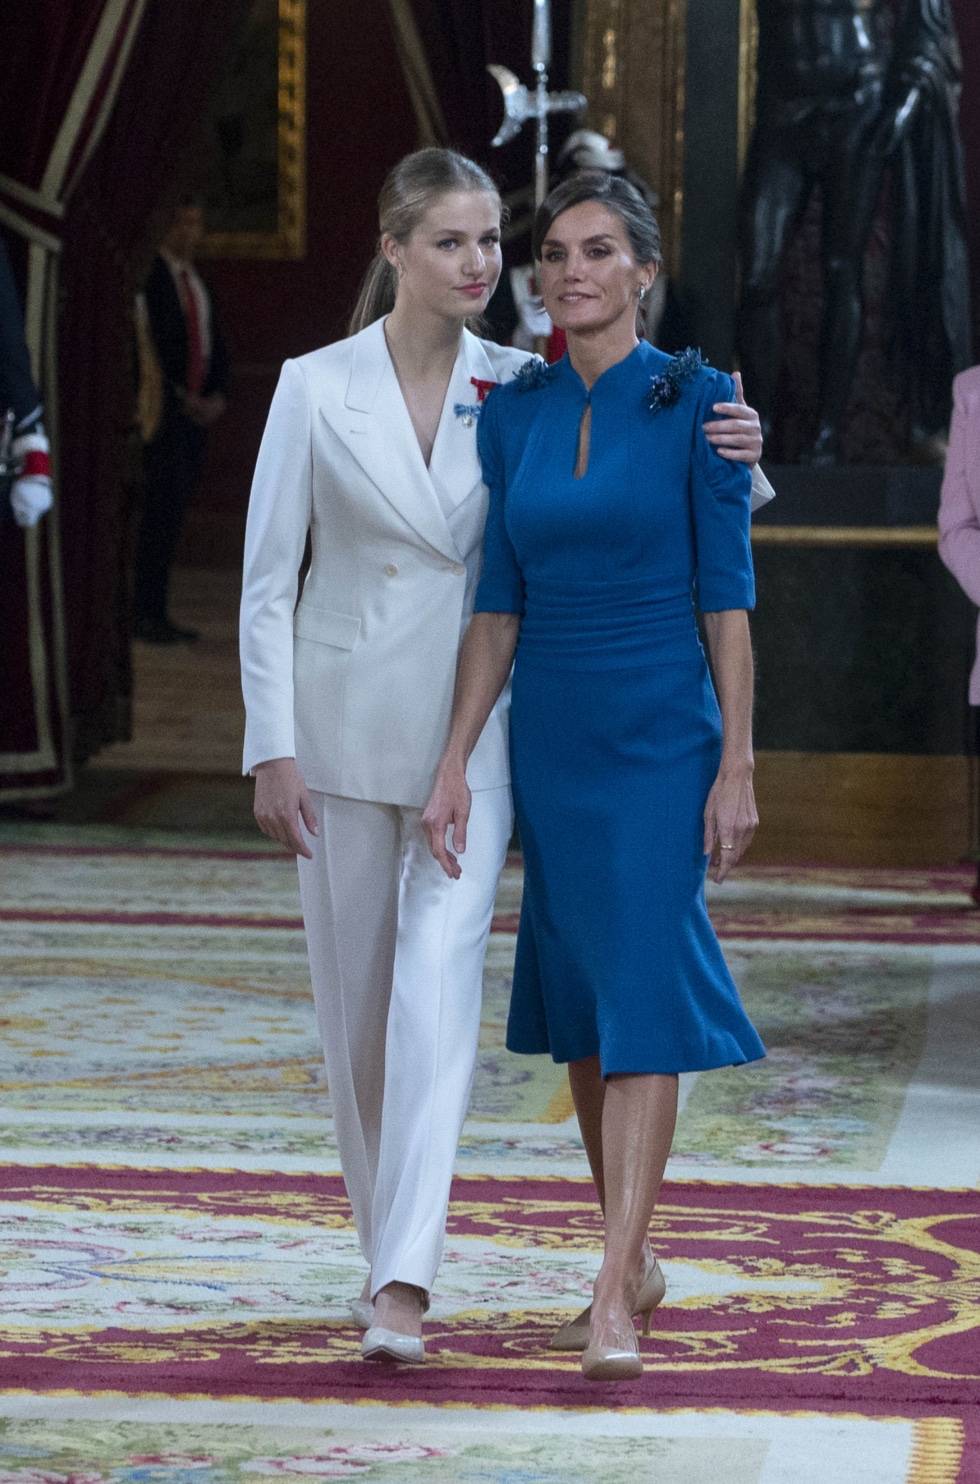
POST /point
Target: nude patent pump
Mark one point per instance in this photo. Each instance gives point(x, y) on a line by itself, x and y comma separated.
point(379, 1343)
point(389, 1344)
point(575, 1334)
point(612, 1362)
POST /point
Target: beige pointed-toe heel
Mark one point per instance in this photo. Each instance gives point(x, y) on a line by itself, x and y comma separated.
point(651, 1294)
point(619, 1361)
point(575, 1334)
point(611, 1363)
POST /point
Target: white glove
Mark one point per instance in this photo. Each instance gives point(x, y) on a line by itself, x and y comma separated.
point(30, 494)
point(533, 320)
point(30, 498)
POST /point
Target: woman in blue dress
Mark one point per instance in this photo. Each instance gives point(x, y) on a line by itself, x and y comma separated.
point(611, 516)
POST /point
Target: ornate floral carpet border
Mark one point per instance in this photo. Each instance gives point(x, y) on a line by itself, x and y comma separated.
point(809, 1296)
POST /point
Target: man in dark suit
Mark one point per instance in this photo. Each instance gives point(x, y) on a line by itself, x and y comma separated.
point(193, 364)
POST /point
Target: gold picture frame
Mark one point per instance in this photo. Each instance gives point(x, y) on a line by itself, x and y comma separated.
point(633, 55)
point(287, 239)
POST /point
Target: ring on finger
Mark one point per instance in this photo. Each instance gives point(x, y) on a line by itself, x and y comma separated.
point(728, 847)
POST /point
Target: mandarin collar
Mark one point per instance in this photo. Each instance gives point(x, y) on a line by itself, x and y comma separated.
point(613, 377)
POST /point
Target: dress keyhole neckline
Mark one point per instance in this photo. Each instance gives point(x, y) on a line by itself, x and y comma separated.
point(584, 440)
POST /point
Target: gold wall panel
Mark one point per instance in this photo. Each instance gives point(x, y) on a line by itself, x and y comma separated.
point(748, 46)
point(855, 536)
point(633, 77)
point(865, 809)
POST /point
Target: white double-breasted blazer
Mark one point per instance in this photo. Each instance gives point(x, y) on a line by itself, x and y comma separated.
point(356, 681)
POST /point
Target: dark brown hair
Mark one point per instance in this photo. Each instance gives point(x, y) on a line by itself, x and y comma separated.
point(617, 196)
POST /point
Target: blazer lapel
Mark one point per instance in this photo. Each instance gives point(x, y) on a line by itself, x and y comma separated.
point(455, 463)
point(374, 425)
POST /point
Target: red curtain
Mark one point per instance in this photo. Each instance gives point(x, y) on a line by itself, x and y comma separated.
point(460, 38)
point(44, 45)
point(173, 51)
point(62, 70)
point(109, 235)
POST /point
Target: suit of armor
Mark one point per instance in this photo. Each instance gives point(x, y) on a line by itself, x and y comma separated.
point(838, 95)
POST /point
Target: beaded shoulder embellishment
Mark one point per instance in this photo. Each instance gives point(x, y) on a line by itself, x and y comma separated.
point(665, 389)
point(533, 374)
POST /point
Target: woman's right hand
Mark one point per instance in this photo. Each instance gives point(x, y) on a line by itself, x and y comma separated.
point(449, 805)
point(281, 801)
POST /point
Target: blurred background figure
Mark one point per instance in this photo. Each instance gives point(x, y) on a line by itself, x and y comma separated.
point(184, 385)
point(959, 513)
point(929, 289)
point(839, 97)
point(25, 461)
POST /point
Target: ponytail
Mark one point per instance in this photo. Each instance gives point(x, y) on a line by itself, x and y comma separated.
point(377, 295)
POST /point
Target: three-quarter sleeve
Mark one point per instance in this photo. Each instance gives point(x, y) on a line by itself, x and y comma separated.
point(721, 493)
point(501, 588)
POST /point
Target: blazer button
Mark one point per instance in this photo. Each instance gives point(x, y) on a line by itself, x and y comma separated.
point(458, 569)
point(391, 570)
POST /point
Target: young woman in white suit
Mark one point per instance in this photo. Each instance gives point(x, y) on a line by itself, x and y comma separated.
point(370, 447)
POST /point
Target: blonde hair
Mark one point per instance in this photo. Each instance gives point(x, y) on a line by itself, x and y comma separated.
point(408, 192)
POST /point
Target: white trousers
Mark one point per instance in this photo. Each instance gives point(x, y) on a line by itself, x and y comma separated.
point(396, 960)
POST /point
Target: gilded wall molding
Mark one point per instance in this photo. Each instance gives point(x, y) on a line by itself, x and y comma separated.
point(748, 47)
point(633, 76)
point(846, 536)
point(288, 240)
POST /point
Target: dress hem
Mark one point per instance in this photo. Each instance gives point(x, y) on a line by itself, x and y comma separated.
point(642, 1071)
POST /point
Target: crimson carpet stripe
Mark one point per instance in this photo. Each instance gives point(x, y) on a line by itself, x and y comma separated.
point(148, 919)
point(953, 929)
point(191, 852)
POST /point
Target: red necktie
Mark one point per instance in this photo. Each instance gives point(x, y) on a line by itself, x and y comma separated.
point(195, 352)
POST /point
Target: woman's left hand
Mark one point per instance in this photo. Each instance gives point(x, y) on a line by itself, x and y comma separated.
point(730, 819)
point(448, 808)
point(738, 434)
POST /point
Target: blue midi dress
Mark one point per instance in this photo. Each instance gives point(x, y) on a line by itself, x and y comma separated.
point(615, 728)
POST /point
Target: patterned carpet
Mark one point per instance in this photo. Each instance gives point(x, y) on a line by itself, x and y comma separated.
point(176, 1251)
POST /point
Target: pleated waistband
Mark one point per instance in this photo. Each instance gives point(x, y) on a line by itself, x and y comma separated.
point(614, 624)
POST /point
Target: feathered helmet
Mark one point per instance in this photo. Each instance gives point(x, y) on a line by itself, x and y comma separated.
point(586, 150)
